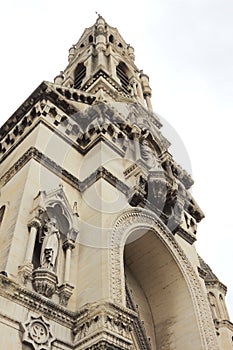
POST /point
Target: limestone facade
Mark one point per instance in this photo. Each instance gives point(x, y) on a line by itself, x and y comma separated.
point(97, 223)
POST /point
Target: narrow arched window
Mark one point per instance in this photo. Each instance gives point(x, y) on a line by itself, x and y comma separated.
point(79, 74)
point(223, 309)
point(214, 306)
point(111, 38)
point(2, 211)
point(121, 71)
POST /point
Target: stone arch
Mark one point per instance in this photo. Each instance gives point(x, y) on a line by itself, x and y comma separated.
point(57, 209)
point(132, 220)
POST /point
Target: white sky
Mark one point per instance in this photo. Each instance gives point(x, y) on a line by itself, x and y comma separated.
point(186, 48)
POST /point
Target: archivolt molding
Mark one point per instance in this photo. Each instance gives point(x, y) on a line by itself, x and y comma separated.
point(142, 218)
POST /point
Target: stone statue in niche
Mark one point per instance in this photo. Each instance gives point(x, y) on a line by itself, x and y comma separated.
point(148, 155)
point(50, 245)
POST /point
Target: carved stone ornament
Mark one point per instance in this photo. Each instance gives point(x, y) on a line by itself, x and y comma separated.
point(65, 292)
point(107, 322)
point(37, 333)
point(25, 272)
point(44, 282)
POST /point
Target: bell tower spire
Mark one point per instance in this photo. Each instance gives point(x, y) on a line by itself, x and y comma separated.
point(102, 63)
point(97, 221)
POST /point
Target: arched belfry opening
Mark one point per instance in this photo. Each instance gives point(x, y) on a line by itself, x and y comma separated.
point(122, 73)
point(79, 75)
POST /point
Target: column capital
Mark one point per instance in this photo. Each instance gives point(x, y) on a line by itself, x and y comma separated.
point(34, 222)
point(68, 244)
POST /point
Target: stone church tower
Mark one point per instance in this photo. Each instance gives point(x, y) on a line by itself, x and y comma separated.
point(97, 224)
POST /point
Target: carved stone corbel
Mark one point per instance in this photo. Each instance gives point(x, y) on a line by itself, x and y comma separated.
point(138, 193)
point(44, 282)
point(177, 202)
point(64, 293)
point(157, 189)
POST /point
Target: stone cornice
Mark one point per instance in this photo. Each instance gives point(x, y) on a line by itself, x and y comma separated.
point(33, 153)
point(201, 272)
point(100, 173)
point(35, 302)
point(226, 324)
point(215, 284)
point(60, 96)
point(190, 238)
point(113, 83)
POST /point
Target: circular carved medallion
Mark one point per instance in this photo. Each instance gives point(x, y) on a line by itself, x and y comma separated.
point(39, 332)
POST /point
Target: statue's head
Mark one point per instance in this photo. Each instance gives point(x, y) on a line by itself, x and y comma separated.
point(145, 142)
point(53, 221)
point(50, 224)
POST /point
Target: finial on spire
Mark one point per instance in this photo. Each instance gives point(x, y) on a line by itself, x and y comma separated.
point(98, 14)
point(100, 23)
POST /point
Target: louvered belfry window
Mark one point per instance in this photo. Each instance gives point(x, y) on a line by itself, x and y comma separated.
point(79, 75)
point(121, 71)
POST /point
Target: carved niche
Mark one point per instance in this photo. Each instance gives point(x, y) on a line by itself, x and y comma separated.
point(59, 224)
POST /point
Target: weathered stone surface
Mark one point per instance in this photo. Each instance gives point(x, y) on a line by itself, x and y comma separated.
point(98, 224)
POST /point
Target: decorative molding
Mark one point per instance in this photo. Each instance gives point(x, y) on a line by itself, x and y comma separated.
point(201, 272)
point(25, 272)
point(107, 322)
point(187, 236)
point(134, 218)
point(35, 302)
point(65, 291)
point(214, 283)
point(6, 319)
point(44, 282)
point(59, 314)
point(54, 93)
point(101, 73)
point(37, 333)
point(225, 324)
point(33, 153)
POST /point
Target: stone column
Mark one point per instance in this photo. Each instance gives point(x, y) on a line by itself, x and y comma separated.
point(33, 227)
point(146, 90)
point(148, 101)
point(25, 270)
point(65, 290)
point(68, 245)
point(139, 91)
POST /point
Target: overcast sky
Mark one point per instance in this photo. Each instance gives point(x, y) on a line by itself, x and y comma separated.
point(186, 48)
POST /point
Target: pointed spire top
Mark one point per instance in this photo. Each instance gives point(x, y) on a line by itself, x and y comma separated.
point(98, 14)
point(100, 22)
